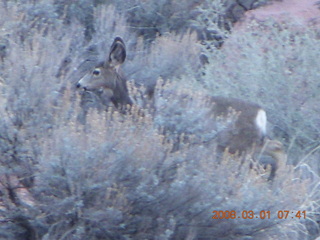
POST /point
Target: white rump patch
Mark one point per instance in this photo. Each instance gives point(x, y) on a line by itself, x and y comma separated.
point(261, 121)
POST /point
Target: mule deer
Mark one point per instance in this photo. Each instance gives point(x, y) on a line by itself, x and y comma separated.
point(105, 77)
point(238, 126)
point(246, 133)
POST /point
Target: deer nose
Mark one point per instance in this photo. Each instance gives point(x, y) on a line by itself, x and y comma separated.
point(80, 86)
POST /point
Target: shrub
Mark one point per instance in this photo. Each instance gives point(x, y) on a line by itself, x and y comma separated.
point(274, 66)
point(116, 177)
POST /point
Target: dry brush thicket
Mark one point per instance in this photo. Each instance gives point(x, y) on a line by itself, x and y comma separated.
point(279, 70)
point(115, 176)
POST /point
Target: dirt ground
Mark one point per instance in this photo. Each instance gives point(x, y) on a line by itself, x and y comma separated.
point(300, 11)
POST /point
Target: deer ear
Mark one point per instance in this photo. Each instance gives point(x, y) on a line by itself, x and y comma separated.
point(117, 53)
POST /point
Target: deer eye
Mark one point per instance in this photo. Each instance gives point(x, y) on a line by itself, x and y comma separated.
point(96, 72)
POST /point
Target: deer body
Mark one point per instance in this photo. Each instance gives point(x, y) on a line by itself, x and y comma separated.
point(249, 127)
point(243, 135)
point(248, 133)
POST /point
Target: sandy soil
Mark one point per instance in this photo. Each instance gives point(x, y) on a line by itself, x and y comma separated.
point(299, 11)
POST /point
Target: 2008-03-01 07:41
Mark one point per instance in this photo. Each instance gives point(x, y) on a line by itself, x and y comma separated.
point(282, 214)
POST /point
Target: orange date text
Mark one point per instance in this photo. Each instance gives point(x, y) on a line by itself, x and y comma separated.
point(249, 214)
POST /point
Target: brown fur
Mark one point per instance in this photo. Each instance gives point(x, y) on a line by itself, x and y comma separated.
point(106, 78)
